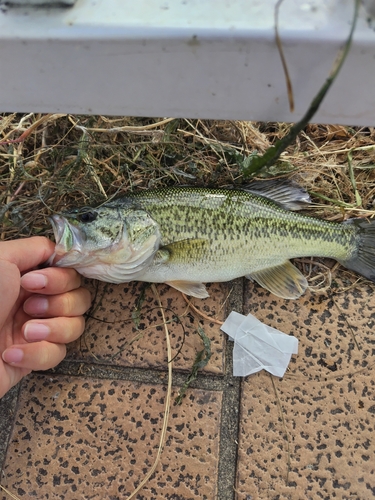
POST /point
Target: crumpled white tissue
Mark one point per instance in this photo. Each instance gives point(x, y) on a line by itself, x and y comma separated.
point(258, 346)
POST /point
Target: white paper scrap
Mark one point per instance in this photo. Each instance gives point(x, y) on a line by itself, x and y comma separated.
point(258, 346)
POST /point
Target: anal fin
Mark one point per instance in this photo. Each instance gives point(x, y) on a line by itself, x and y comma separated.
point(190, 288)
point(285, 280)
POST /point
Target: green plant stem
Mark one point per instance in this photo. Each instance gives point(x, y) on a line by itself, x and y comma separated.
point(273, 153)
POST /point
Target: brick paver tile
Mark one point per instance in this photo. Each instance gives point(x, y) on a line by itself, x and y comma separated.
point(96, 439)
point(111, 336)
point(324, 406)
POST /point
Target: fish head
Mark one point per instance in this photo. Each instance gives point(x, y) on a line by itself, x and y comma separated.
point(84, 233)
point(106, 243)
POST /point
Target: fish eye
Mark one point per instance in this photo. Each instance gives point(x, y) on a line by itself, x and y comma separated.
point(87, 217)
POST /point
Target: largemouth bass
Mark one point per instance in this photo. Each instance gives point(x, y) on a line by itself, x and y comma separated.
point(186, 237)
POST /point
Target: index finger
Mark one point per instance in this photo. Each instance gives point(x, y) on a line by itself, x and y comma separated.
point(27, 253)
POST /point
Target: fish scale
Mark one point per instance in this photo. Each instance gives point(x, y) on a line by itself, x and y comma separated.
point(188, 236)
point(246, 221)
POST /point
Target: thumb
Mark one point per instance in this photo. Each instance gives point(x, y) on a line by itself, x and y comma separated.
point(9, 288)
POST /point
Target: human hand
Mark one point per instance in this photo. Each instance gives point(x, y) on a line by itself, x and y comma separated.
point(40, 311)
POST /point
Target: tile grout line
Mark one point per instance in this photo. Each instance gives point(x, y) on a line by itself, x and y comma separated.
point(229, 426)
point(227, 384)
point(207, 381)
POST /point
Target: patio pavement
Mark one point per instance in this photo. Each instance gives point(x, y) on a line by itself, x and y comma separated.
point(90, 428)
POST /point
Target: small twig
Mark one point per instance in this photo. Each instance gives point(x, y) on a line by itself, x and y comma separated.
point(17, 191)
point(200, 313)
point(326, 277)
point(32, 127)
point(282, 57)
point(167, 401)
point(347, 150)
point(85, 158)
point(226, 300)
point(358, 198)
point(210, 142)
point(126, 128)
point(15, 497)
point(331, 200)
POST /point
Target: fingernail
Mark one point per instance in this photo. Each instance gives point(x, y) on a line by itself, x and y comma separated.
point(36, 331)
point(34, 281)
point(13, 355)
point(36, 306)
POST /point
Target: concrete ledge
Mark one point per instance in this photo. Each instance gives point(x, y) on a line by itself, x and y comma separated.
point(212, 59)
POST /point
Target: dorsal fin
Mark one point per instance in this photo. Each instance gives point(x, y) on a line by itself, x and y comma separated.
point(288, 194)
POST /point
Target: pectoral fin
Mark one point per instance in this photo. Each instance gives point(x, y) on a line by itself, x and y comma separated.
point(285, 281)
point(190, 288)
point(189, 250)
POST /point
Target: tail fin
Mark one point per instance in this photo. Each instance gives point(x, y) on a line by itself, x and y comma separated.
point(363, 260)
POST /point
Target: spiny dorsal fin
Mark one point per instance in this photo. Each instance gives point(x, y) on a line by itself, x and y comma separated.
point(286, 193)
point(189, 288)
point(285, 281)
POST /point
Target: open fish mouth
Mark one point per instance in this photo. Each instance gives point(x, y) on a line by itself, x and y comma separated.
point(67, 237)
point(58, 225)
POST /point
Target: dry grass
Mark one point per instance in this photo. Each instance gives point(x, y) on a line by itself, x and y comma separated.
point(49, 163)
point(54, 162)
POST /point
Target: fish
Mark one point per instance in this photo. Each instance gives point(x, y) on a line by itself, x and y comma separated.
point(189, 236)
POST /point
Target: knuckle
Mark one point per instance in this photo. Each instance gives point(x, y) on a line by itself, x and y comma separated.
point(67, 303)
point(50, 355)
point(68, 329)
point(44, 354)
point(72, 303)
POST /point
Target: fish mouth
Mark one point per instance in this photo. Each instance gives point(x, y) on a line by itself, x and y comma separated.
point(58, 224)
point(68, 240)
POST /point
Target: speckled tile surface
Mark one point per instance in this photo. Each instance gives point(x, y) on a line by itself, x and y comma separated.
point(311, 434)
point(96, 439)
point(111, 335)
point(90, 429)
